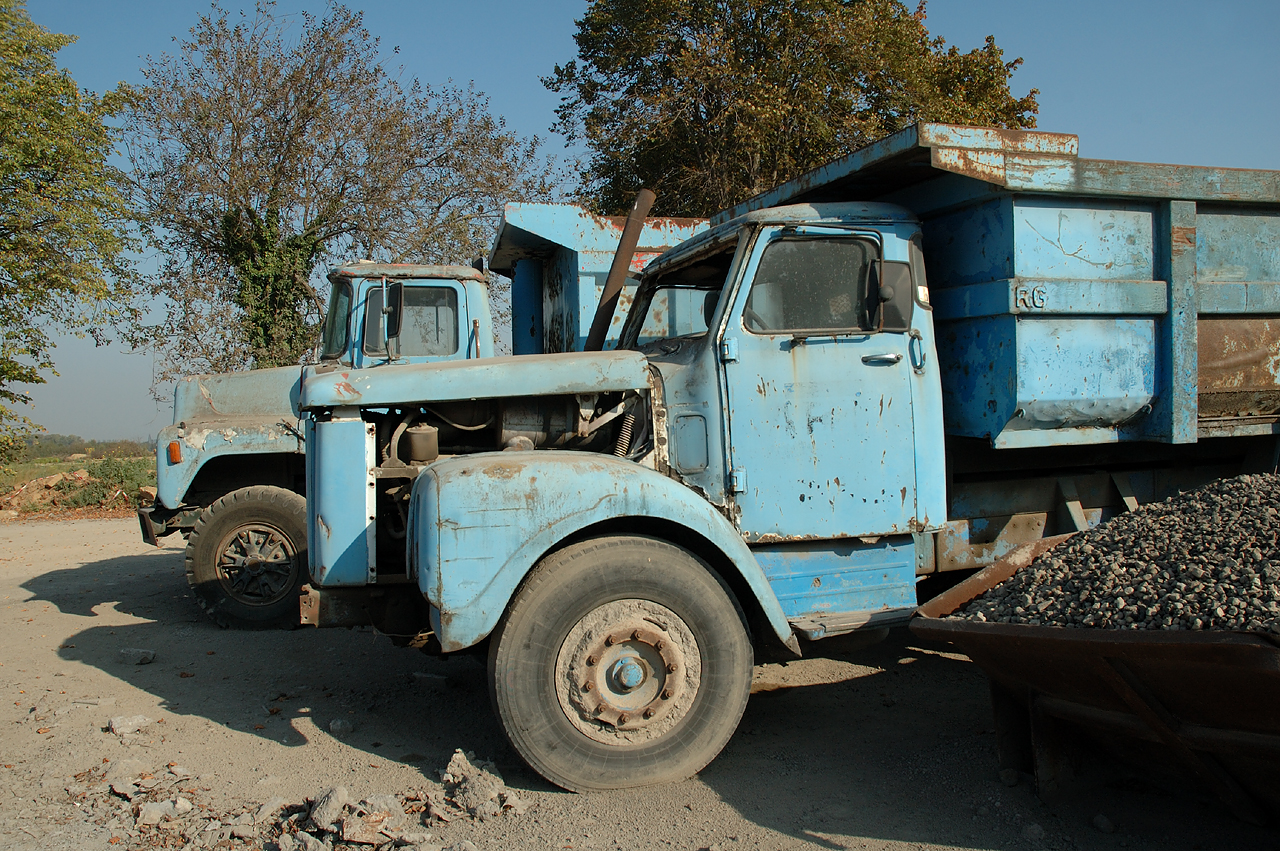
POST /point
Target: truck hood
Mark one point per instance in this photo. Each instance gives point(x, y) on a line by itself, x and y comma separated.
point(236, 396)
point(485, 378)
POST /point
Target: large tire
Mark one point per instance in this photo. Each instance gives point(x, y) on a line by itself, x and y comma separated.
point(660, 640)
point(247, 557)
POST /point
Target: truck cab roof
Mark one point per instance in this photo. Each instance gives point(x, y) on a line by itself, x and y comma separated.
point(824, 213)
point(405, 270)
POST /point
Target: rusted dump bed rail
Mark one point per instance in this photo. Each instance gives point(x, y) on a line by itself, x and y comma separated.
point(1211, 699)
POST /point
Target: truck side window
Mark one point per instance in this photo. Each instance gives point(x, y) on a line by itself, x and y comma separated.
point(811, 284)
point(683, 301)
point(428, 328)
point(818, 284)
point(333, 342)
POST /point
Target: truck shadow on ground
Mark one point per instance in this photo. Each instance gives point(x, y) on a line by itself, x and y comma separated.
point(284, 685)
point(899, 749)
point(907, 753)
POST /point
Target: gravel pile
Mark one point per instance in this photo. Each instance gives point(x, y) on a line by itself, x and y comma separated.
point(164, 809)
point(1207, 559)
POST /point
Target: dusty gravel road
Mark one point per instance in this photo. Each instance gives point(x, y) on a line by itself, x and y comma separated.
point(887, 748)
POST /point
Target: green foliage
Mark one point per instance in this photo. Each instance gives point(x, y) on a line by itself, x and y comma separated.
point(709, 102)
point(272, 271)
point(37, 447)
point(263, 148)
point(63, 213)
point(112, 482)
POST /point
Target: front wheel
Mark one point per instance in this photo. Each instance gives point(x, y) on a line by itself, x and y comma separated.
point(622, 661)
point(247, 557)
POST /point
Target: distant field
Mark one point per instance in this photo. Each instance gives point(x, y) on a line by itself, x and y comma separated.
point(25, 471)
point(49, 454)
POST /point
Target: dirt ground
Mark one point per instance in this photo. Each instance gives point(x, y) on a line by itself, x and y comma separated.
point(889, 747)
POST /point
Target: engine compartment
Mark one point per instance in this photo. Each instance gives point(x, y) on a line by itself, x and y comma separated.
point(411, 437)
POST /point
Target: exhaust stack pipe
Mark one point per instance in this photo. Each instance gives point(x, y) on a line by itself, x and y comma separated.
point(618, 271)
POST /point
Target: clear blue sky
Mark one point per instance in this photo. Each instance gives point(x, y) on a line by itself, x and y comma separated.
point(1173, 81)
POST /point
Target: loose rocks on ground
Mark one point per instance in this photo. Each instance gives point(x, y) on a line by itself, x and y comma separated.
point(1207, 559)
point(137, 656)
point(148, 807)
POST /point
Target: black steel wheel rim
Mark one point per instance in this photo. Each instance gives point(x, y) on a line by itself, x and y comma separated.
point(256, 564)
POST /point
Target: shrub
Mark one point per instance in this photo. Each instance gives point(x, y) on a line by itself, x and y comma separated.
point(113, 481)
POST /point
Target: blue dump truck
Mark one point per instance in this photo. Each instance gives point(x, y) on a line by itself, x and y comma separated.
point(230, 470)
point(907, 362)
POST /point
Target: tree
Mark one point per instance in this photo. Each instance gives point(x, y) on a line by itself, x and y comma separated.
point(257, 156)
point(709, 102)
point(63, 212)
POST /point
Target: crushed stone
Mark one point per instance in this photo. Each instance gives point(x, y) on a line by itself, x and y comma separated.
point(1207, 559)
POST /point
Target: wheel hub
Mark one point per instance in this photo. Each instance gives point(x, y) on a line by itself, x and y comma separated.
point(628, 672)
point(256, 564)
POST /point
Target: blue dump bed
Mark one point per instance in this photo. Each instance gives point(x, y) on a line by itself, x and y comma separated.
point(1082, 301)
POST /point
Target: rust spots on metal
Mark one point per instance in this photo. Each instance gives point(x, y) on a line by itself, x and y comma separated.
point(1239, 366)
point(987, 166)
point(995, 138)
point(208, 397)
point(503, 470)
point(1183, 239)
point(346, 390)
point(774, 538)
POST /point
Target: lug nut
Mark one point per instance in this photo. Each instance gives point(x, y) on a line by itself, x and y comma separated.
point(672, 667)
point(659, 644)
point(591, 660)
point(622, 719)
point(587, 686)
point(650, 712)
point(608, 641)
point(635, 635)
point(666, 694)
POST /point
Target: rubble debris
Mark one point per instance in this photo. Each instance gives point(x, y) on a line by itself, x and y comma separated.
point(328, 806)
point(1205, 560)
point(268, 810)
point(154, 812)
point(137, 656)
point(124, 724)
point(473, 788)
point(150, 807)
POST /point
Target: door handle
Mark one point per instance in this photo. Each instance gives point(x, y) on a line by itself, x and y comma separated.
point(887, 359)
point(915, 348)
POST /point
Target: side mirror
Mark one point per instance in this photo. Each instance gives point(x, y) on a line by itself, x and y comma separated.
point(393, 309)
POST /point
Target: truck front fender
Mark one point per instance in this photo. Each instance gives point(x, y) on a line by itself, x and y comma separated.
point(235, 413)
point(479, 524)
point(199, 443)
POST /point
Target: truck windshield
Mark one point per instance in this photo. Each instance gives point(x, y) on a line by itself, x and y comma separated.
point(333, 342)
point(682, 301)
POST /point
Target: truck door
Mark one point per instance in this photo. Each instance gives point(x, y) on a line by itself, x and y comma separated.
point(817, 373)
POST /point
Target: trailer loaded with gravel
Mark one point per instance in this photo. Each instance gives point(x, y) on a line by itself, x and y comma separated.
point(1158, 630)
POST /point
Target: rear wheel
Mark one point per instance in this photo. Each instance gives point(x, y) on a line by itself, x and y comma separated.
point(247, 557)
point(621, 662)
